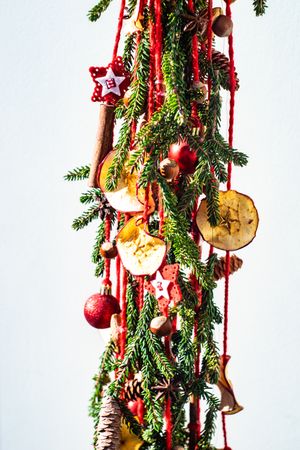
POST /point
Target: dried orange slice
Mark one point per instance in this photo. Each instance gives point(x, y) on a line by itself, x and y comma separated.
point(125, 198)
point(140, 253)
point(238, 222)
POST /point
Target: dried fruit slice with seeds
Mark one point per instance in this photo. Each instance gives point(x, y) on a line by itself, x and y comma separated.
point(238, 221)
point(125, 197)
point(141, 253)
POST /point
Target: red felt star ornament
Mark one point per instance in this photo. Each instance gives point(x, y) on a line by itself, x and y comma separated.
point(111, 82)
point(164, 286)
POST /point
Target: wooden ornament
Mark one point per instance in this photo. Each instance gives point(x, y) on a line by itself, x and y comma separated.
point(222, 26)
point(140, 253)
point(161, 326)
point(169, 169)
point(238, 221)
point(104, 141)
point(229, 404)
point(108, 250)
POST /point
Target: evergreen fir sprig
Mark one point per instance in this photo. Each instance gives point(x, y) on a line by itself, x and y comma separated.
point(107, 364)
point(260, 7)
point(95, 13)
point(210, 420)
point(129, 419)
point(79, 173)
point(90, 196)
point(86, 217)
point(96, 256)
point(128, 53)
point(135, 106)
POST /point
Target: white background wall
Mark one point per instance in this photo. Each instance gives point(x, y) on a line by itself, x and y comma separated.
point(48, 124)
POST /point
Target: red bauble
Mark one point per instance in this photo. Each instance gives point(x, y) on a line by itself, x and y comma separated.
point(185, 157)
point(99, 308)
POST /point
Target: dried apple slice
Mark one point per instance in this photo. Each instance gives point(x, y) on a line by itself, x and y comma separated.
point(125, 198)
point(229, 404)
point(238, 223)
point(140, 253)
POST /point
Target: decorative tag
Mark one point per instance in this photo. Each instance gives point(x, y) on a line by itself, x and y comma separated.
point(163, 285)
point(111, 82)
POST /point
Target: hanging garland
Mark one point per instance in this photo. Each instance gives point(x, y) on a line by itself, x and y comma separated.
point(162, 193)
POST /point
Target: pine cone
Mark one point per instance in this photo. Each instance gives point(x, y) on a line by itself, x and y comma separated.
point(133, 390)
point(220, 266)
point(221, 62)
point(109, 429)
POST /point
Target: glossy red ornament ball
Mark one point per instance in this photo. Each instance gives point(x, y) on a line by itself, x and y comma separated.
point(185, 157)
point(99, 308)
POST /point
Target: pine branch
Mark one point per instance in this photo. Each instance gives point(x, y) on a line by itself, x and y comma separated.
point(90, 196)
point(260, 7)
point(79, 173)
point(87, 217)
point(95, 13)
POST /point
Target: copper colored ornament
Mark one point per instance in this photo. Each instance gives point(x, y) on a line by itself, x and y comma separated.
point(238, 221)
point(125, 197)
point(229, 404)
point(222, 26)
point(169, 169)
point(99, 308)
point(161, 326)
point(185, 157)
point(140, 253)
point(108, 250)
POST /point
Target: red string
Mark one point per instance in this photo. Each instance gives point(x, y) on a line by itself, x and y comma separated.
point(224, 430)
point(230, 141)
point(151, 64)
point(119, 29)
point(106, 280)
point(158, 52)
point(123, 314)
point(232, 94)
point(118, 267)
point(168, 418)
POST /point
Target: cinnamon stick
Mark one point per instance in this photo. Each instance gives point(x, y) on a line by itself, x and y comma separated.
point(104, 141)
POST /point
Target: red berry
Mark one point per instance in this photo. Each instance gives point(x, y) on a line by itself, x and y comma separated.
point(99, 308)
point(133, 406)
point(185, 157)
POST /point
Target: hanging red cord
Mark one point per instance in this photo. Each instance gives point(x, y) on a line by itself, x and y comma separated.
point(230, 141)
point(123, 306)
point(118, 266)
point(107, 261)
point(119, 29)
